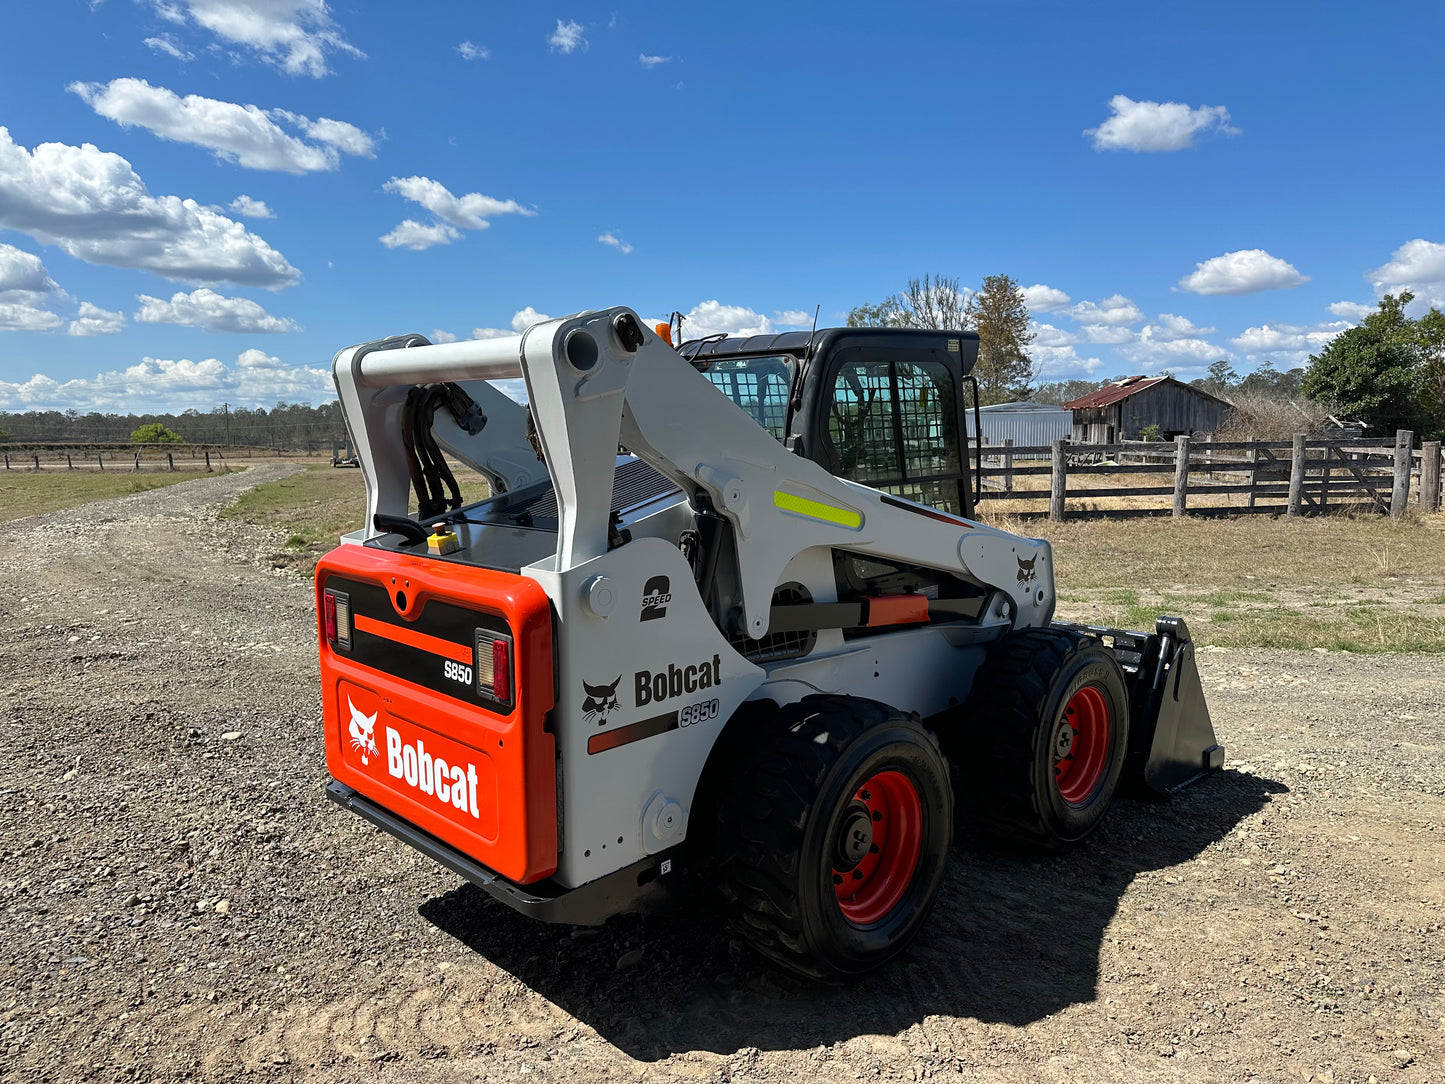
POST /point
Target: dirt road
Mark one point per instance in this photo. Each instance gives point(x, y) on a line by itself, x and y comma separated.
point(181, 903)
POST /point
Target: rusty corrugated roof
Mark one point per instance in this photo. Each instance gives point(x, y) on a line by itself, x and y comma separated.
point(1114, 392)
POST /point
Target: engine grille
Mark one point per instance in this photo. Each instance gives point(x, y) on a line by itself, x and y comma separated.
point(779, 645)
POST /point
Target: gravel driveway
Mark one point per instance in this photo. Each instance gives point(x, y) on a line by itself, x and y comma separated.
point(181, 903)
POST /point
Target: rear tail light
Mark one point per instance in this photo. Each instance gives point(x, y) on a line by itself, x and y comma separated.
point(494, 666)
point(336, 609)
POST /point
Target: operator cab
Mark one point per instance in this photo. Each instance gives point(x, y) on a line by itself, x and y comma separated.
point(884, 407)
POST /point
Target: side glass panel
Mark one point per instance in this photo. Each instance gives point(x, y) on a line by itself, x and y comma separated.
point(860, 423)
point(758, 385)
point(894, 425)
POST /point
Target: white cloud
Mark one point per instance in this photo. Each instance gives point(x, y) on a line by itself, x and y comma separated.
point(92, 204)
point(1106, 334)
point(1351, 310)
point(251, 208)
point(166, 44)
point(244, 134)
point(94, 320)
point(1290, 344)
point(1170, 326)
point(22, 272)
point(616, 242)
point(652, 61)
point(1061, 362)
point(204, 308)
point(1158, 348)
point(1046, 335)
point(714, 318)
point(1248, 271)
point(525, 318)
point(155, 384)
point(440, 336)
point(1156, 126)
point(474, 52)
point(792, 318)
point(468, 212)
point(409, 233)
point(1041, 298)
point(567, 38)
point(294, 35)
point(1115, 310)
point(492, 332)
point(1417, 266)
point(26, 316)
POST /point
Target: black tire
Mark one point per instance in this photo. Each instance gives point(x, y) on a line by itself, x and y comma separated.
point(791, 821)
point(1010, 736)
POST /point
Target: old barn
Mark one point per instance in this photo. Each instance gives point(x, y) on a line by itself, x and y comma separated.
point(1119, 411)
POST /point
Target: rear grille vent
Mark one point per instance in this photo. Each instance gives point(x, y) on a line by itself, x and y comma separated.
point(634, 483)
point(779, 645)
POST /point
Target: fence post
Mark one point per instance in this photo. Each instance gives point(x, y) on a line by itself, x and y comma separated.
point(208, 459)
point(1296, 474)
point(170, 461)
point(136, 468)
point(7, 460)
point(1253, 469)
point(1181, 475)
point(1325, 477)
point(37, 461)
point(99, 461)
point(1404, 446)
point(1008, 466)
point(1430, 476)
point(68, 464)
point(1058, 480)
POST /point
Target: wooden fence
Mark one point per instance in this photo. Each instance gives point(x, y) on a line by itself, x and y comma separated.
point(136, 458)
point(1304, 476)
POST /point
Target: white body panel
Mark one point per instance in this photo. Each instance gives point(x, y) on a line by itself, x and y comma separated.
point(788, 515)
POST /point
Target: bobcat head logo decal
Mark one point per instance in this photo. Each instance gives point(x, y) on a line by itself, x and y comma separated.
point(362, 737)
point(601, 701)
point(1026, 569)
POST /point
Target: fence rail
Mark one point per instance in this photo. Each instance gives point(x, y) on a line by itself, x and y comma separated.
point(135, 458)
point(1302, 476)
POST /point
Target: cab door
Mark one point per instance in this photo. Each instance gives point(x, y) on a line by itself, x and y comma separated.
point(895, 421)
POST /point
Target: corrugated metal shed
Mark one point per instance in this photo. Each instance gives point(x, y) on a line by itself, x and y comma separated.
point(1125, 408)
point(1025, 423)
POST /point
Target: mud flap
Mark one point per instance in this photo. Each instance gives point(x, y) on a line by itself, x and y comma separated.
point(1171, 737)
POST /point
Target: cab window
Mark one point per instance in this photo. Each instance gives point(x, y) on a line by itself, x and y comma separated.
point(894, 425)
point(758, 385)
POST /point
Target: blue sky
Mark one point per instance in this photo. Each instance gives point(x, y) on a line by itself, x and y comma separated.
point(202, 200)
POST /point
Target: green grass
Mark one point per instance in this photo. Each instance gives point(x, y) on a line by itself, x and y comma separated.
point(32, 493)
point(316, 506)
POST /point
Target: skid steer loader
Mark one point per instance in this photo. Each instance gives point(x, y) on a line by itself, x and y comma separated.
point(726, 619)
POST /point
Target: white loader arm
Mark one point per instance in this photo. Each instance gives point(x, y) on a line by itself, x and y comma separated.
point(598, 379)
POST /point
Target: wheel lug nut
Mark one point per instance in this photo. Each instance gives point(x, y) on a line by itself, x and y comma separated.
point(837, 878)
point(866, 796)
point(857, 875)
point(877, 816)
point(872, 848)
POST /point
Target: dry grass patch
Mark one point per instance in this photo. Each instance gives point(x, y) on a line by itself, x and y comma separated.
point(33, 493)
point(1352, 583)
point(315, 507)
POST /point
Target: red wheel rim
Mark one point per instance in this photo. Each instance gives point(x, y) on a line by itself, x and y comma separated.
point(1081, 745)
point(876, 852)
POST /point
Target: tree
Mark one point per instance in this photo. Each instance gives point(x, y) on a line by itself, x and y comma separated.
point(1220, 379)
point(1059, 392)
point(1000, 315)
point(932, 302)
point(154, 433)
point(1383, 371)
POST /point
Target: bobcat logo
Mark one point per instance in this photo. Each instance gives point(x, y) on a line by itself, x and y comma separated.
point(1026, 569)
point(362, 737)
point(601, 701)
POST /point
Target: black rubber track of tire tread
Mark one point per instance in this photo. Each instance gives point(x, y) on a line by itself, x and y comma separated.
point(762, 820)
point(1003, 709)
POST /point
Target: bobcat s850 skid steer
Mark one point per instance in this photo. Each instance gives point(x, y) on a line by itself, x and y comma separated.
point(726, 620)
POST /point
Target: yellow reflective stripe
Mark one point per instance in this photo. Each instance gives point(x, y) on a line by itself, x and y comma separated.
point(801, 506)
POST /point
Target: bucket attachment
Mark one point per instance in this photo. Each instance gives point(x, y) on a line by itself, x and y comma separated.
point(1171, 738)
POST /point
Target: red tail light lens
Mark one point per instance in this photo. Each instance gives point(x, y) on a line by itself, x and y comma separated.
point(336, 614)
point(501, 670)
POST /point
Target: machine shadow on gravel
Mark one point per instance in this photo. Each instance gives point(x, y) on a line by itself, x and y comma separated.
point(1012, 940)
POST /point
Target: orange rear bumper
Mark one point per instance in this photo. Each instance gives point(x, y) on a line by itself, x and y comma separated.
point(478, 775)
